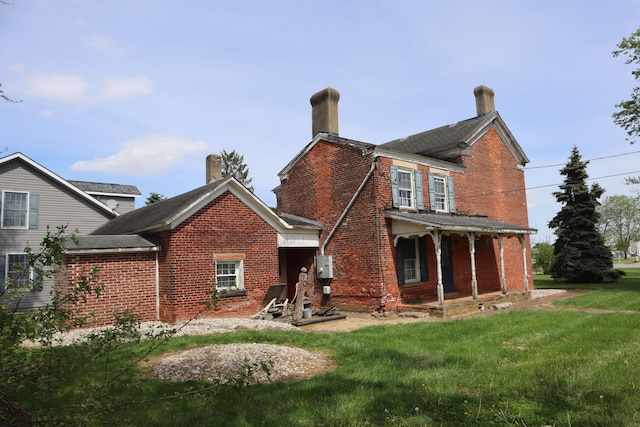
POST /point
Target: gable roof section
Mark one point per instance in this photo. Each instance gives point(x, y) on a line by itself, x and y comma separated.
point(452, 140)
point(54, 177)
point(328, 137)
point(169, 213)
point(104, 189)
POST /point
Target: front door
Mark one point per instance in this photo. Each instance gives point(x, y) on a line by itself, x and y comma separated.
point(447, 265)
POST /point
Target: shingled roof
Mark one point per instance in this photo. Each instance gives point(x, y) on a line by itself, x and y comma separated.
point(105, 188)
point(450, 141)
point(479, 224)
point(156, 216)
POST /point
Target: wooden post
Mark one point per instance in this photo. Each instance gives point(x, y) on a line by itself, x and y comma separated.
point(472, 252)
point(524, 262)
point(436, 236)
point(503, 278)
point(302, 282)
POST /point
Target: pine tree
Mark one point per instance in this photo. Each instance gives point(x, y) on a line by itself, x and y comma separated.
point(580, 254)
point(233, 165)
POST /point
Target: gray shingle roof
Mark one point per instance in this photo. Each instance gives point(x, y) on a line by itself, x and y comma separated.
point(156, 215)
point(443, 142)
point(447, 222)
point(121, 243)
point(99, 187)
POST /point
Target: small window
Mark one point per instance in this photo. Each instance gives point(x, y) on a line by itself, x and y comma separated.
point(18, 270)
point(15, 209)
point(229, 275)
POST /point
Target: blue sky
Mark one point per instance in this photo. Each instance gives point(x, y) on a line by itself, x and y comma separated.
point(139, 92)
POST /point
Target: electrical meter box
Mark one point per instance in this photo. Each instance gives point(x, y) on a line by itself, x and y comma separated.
point(324, 267)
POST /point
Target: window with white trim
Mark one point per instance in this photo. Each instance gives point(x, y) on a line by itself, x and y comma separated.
point(441, 193)
point(19, 210)
point(17, 269)
point(411, 260)
point(406, 188)
point(229, 275)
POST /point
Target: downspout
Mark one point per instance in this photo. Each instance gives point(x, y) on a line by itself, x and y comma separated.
point(351, 202)
point(157, 288)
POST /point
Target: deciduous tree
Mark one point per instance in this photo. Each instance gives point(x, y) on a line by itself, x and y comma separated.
point(620, 221)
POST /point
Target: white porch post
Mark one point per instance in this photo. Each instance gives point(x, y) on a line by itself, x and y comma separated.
point(472, 252)
point(436, 236)
point(503, 278)
point(524, 262)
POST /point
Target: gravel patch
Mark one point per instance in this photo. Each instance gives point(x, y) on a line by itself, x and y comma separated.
point(240, 363)
point(205, 326)
point(541, 293)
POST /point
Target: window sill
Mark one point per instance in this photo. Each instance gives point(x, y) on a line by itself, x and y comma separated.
point(227, 293)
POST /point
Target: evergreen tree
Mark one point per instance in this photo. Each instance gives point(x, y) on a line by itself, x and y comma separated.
point(233, 165)
point(580, 254)
point(154, 198)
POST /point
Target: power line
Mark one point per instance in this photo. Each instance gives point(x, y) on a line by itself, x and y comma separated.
point(595, 158)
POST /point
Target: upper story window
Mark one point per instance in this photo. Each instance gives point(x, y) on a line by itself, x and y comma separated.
point(406, 188)
point(441, 193)
point(19, 210)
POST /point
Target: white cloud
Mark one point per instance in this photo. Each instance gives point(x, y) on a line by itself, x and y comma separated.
point(147, 156)
point(122, 88)
point(66, 88)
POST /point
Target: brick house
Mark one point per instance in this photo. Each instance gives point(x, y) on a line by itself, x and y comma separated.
point(163, 260)
point(432, 217)
point(429, 217)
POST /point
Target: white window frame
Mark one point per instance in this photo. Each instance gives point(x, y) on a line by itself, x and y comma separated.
point(412, 264)
point(406, 194)
point(18, 282)
point(5, 211)
point(441, 198)
point(238, 274)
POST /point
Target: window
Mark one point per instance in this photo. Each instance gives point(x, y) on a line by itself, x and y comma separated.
point(441, 193)
point(406, 188)
point(229, 275)
point(17, 268)
point(411, 260)
point(19, 210)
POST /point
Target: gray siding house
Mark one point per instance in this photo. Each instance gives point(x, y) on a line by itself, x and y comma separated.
point(33, 198)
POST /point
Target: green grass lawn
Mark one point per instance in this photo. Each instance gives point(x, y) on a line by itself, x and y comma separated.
point(519, 368)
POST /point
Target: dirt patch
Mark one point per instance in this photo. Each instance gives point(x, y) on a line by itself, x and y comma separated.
point(357, 320)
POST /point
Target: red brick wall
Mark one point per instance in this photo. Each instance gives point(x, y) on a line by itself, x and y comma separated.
point(321, 184)
point(226, 225)
point(129, 280)
point(186, 267)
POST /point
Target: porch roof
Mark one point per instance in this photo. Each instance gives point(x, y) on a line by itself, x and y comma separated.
point(459, 223)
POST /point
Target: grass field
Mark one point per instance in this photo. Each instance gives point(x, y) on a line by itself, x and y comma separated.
point(518, 367)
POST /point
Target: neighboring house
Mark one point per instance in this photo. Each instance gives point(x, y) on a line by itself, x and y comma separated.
point(32, 199)
point(163, 261)
point(119, 197)
point(437, 215)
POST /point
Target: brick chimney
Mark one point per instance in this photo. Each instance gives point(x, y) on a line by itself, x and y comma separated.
point(484, 100)
point(214, 168)
point(324, 111)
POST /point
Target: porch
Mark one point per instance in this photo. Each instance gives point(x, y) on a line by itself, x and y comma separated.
point(459, 306)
